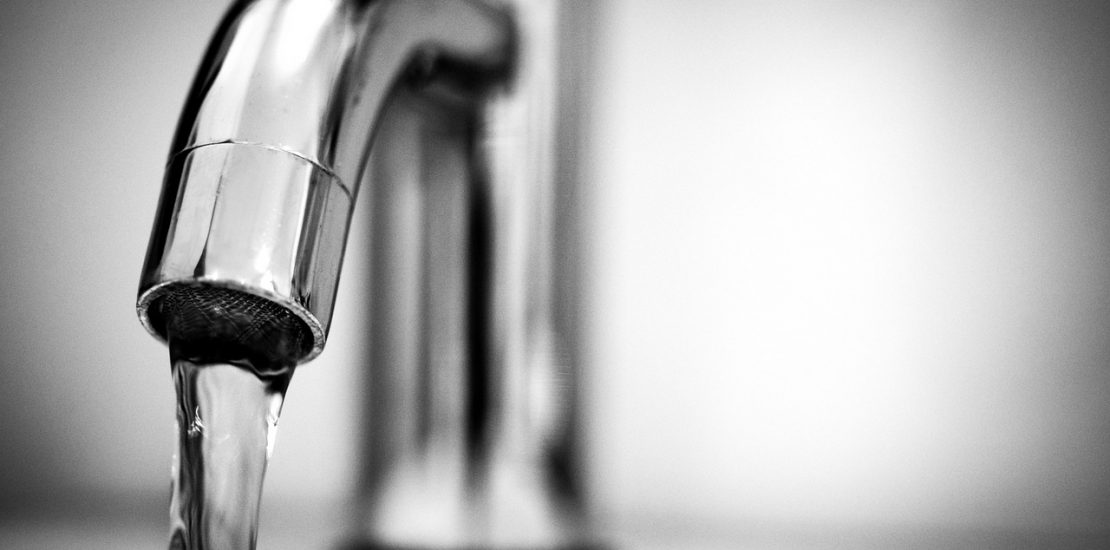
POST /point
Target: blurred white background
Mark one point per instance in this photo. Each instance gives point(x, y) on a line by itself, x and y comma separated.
point(846, 277)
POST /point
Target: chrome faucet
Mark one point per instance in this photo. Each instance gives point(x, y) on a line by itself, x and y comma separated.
point(446, 110)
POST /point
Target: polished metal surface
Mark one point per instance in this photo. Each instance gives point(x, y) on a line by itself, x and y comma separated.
point(275, 136)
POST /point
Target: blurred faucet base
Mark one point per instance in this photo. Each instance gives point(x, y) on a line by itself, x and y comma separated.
point(473, 434)
point(464, 446)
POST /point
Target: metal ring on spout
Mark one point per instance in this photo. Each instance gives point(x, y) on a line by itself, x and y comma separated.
point(277, 234)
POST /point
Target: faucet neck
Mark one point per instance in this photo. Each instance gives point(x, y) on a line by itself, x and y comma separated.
point(312, 77)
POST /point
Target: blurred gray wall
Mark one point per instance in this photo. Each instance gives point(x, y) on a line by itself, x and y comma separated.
point(89, 94)
point(852, 263)
point(848, 265)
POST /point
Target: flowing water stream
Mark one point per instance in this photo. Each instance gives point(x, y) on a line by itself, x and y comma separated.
point(227, 419)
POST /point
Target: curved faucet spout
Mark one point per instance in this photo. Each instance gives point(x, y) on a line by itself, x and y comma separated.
point(276, 135)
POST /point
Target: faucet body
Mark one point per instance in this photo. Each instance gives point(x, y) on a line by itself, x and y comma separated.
point(445, 111)
point(275, 136)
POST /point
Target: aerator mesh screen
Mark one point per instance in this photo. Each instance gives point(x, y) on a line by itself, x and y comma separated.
point(217, 324)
